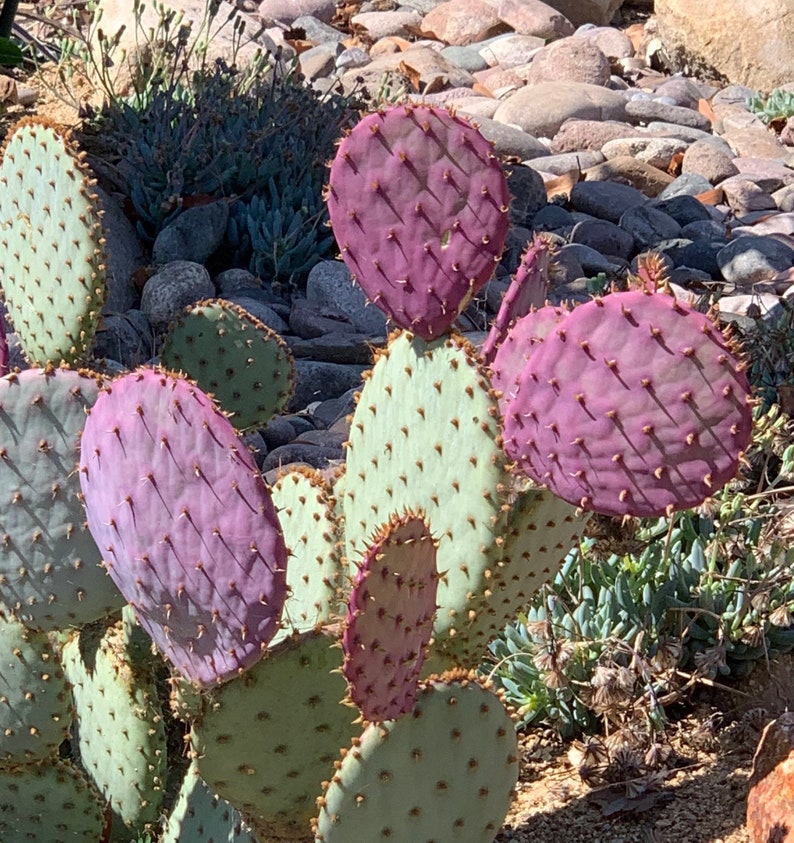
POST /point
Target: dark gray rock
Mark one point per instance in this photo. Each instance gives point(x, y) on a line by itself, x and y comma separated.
point(263, 312)
point(336, 347)
point(278, 431)
point(604, 236)
point(648, 225)
point(318, 381)
point(553, 218)
point(329, 412)
point(171, 289)
point(528, 192)
point(683, 208)
point(308, 320)
point(747, 260)
point(509, 140)
point(194, 235)
point(604, 199)
point(646, 110)
point(317, 456)
point(126, 338)
point(695, 254)
point(329, 284)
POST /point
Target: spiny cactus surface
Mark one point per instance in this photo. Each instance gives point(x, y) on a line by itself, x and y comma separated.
point(635, 404)
point(185, 523)
point(246, 366)
point(390, 619)
point(50, 573)
point(51, 245)
point(443, 773)
point(419, 208)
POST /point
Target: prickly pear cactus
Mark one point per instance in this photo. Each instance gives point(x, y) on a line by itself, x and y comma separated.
point(390, 618)
point(314, 536)
point(35, 701)
point(635, 404)
point(200, 815)
point(185, 523)
point(419, 207)
point(50, 573)
point(121, 735)
point(445, 772)
point(52, 251)
point(268, 741)
point(49, 802)
point(246, 366)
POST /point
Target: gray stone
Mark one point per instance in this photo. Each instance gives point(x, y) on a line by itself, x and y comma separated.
point(261, 311)
point(171, 289)
point(126, 338)
point(510, 140)
point(194, 235)
point(710, 161)
point(278, 431)
point(747, 260)
point(704, 230)
point(592, 261)
point(605, 200)
point(236, 281)
point(648, 225)
point(687, 184)
point(510, 50)
point(528, 192)
point(604, 236)
point(336, 347)
point(552, 218)
point(309, 320)
point(318, 381)
point(570, 59)
point(317, 456)
point(383, 24)
point(331, 411)
point(695, 254)
point(566, 162)
point(468, 57)
point(647, 110)
point(329, 284)
point(317, 31)
point(288, 11)
point(684, 209)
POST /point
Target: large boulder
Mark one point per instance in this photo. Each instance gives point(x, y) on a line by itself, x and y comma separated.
point(746, 41)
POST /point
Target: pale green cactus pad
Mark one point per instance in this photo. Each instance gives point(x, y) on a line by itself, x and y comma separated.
point(49, 802)
point(50, 567)
point(52, 252)
point(267, 741)
point(444, 773)
point(121, 735)
point(246, 366)
point(35, 702)
point(199, 815)
point(314, 537)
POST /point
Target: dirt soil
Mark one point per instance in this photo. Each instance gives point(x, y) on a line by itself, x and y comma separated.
point(702, 792)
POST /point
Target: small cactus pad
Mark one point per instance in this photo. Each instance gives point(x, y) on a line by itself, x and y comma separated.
point(527, 291)
point(198, 815)
point(121, 734)
point(424, 436)
point(267, 742)
point(35, 703)
point(49, 802)
point(185, 523)
point(419, 208)
point(636, 405)
point(50, 566)
point(443, 774)
point(246, 366)
point(390, 619)
point(314, 536)
point(51, 245)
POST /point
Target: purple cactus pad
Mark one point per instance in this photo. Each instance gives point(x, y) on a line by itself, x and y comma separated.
point(419, 207)
point(185, 523)
point(390, 618)
point(635, 404)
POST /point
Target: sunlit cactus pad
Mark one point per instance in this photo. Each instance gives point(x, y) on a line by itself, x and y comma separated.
point(49, 802)
point(35, 702)
point(390, 619)
point(51, 245)
point(268, 741)
point(50, 571)
point(635, 404)
point(185, 523)
point(444, 773)
point(419, 208)
point(246, 366)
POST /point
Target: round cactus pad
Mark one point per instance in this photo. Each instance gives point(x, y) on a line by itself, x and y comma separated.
point(444, 773)
point(419, 208)
point(185, 523)
point(49, 802)
point(635, 404)
point(390, 619)
point(51, 244)
point(244, 364)
point(268, 741)
point(50, 567)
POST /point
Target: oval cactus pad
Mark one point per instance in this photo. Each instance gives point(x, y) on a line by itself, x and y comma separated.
point(390, 619)
point(635, 404)
point(419, 208)
point(185, 523)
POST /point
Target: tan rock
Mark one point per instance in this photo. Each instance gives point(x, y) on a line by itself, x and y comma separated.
point(534, 17)
point(772, 784)
point(570, 59)
point(746, 41)
point(628, 170)
point(462, 22)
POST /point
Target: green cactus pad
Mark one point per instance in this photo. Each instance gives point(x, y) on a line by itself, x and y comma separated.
point(443, 774)
point(266, 741)
point(51, 245)
point(50, 572)
point(121, 736)
point(198, 815)
point(230, 353)
point(313, 535)
point(35, 703)
point(50, 802)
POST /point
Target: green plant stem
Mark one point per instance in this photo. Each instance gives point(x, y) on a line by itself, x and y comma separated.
point(7, 15)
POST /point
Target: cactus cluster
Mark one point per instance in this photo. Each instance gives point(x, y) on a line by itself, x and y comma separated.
point(322, 634)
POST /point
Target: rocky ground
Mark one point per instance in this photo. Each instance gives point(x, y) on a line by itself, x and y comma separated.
point(611, 155)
